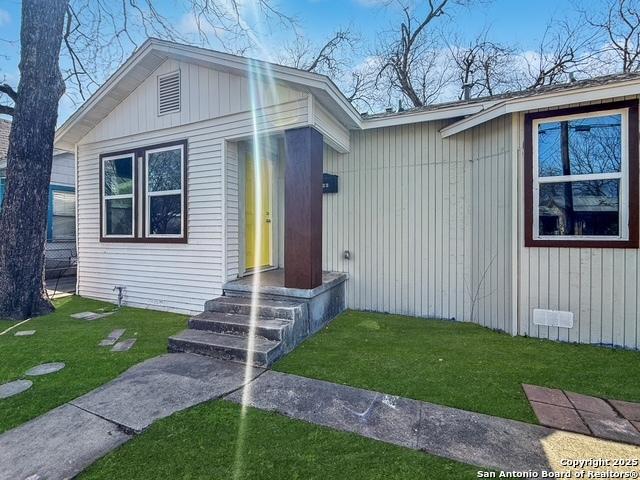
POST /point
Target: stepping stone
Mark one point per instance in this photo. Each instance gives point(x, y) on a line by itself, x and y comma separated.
point(88, 316)
point(629, 410)
point(112, 338)
point(124, 346)
point(617, 429)
point(45, 369)
point(551, 396)
point(586, 403)
point(14, 388)
point(559, 417)
point(25, 333)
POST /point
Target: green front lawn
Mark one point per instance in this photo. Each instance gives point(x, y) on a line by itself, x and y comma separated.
point(458, 364)
point(203, 443)
point(59, 338)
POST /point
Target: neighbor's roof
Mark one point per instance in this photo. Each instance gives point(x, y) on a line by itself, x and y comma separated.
point(153, 52)
point(5, 128)
point(479, 110)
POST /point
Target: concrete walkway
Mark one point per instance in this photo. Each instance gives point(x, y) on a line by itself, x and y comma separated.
point(68, 439)
point(65, 441)
point(477, 439)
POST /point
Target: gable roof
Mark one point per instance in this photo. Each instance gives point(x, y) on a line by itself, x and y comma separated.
point(5, 128)
point(153, 52)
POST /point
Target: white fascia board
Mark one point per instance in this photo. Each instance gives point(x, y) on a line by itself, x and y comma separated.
point(553, 99)
point(427, 116)
point(474, 120)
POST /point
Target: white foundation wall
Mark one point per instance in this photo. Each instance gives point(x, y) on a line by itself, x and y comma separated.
point(600, 286)
point(427, 222)
point(173, 277)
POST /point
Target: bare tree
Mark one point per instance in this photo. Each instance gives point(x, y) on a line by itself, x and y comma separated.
point(411, 62)
point(67, 41)
point(564, 49)
point(619, 24)
point(482, 67)
point(333, 58)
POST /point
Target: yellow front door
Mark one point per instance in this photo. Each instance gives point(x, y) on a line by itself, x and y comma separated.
point(258, 180)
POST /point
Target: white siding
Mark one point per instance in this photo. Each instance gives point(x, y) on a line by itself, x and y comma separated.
point(177, 277)
point(63, 170)
point(427, 222)
point(599, 285)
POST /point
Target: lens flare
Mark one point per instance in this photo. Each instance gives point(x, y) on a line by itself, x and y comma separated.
point(264, 98)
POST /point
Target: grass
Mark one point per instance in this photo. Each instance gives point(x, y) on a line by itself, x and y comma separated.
point(59, 338)
point(201, 443)
point(458, 364)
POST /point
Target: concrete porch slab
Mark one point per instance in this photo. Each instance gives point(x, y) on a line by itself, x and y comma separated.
point(272, 283)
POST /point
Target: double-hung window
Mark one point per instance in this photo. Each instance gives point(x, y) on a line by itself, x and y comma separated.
point(165, 202)
point(582, 176)
point(118, 196)
point(144, 194)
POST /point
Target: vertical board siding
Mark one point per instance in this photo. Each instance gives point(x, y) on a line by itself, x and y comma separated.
point(175, 277)
point(427, 222)
point(206, 93)
point(599, 285)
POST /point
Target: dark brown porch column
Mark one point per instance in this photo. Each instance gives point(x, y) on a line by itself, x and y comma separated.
point(303, 208)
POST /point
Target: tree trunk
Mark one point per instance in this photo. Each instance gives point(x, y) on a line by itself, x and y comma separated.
point(23, 220)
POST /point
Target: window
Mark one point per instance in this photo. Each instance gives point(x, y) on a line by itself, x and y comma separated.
point(144, 194)
point(118, 196)
point(164, 172)
point(579, 162)
point(63, 215)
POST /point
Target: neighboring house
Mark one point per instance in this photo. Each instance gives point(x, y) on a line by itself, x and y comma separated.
point(60, 248)
point(518, 212)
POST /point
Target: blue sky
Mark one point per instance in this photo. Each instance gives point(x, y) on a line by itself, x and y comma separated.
point(519, 23)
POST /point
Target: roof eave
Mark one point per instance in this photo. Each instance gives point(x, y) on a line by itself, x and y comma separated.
point(551, 99)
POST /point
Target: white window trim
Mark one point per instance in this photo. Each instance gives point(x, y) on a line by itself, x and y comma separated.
point(106, 197)
point(623, 176)
point(148, 194)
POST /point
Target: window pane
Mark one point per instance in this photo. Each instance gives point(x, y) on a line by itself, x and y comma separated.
point(118, 176)
point(580, 208)
point(64, 228)
point(64, 203)
point(119, 216)
point(578, 147)
point(165, 215)
point(164, 171)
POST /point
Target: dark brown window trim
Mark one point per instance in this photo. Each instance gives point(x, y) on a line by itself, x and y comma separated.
point(632, 187)
point(138, 153)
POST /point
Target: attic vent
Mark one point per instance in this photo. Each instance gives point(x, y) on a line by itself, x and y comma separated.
point(169, 93)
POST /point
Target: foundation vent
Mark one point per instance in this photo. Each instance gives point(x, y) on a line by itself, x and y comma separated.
point(552, 318)
point(169, 93)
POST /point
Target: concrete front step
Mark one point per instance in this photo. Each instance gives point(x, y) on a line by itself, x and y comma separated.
point(227, 347)
point(266, 308)
point(237, 324)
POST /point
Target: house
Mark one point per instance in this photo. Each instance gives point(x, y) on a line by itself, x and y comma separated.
point(198, 169)
point(61, 236)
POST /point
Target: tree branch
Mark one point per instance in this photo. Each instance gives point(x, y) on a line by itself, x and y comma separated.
point(6, 110)
point(9, 91)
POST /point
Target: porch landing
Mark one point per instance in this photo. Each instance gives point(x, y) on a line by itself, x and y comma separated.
point(271, 283)
point(262, 323)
